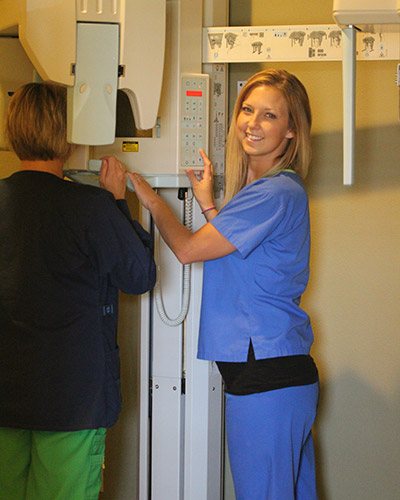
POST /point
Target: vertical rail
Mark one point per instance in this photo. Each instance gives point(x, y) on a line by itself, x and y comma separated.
point(144, 386)
point(349, 98)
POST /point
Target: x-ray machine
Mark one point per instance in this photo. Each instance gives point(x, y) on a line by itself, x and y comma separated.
point(137, 88)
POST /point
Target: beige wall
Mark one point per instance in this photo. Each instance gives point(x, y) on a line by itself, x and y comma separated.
point(355, 279)
point(355, 274)
point(8, 163)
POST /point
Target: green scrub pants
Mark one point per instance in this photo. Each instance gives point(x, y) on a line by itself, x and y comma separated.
point(41, 465)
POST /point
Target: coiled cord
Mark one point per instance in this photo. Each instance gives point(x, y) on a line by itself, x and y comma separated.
point(188, 221)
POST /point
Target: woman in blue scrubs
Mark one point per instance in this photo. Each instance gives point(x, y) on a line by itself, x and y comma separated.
point(256, 253)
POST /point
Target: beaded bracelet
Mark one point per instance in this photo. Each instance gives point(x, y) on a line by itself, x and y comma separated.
point(208, 209)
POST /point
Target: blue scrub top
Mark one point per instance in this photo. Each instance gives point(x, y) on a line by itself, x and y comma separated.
point(254, 293)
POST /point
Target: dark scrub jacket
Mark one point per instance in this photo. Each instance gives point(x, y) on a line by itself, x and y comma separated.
point(65, 251)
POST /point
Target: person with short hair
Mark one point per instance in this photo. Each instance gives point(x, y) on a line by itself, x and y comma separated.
point(256, 267)
point(65, 252)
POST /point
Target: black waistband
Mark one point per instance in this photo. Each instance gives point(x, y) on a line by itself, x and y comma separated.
point(260, 375)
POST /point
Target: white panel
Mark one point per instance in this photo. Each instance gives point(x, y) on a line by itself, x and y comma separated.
point(142, 54)
point(92, 100)
point(167, 435)
point(292, 43)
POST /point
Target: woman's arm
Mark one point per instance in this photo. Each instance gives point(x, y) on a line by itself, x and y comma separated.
point(205, 244)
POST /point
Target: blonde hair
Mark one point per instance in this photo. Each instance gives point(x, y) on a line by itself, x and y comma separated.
point(36, 123)
point(297, 155)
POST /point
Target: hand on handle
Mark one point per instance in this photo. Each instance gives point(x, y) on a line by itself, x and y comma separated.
point(113, 177)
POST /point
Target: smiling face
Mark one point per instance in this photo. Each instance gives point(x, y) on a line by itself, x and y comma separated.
point(262, 127)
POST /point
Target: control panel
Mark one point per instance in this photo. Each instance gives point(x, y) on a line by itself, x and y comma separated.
point(193, 120)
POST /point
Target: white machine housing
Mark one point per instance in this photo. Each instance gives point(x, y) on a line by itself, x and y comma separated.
point(183, 63)
point(93, 47)
point(365, 14)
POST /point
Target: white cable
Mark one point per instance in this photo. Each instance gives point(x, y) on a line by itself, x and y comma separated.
point(188, 221)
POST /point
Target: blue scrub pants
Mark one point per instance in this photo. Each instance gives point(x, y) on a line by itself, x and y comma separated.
point(270, 445)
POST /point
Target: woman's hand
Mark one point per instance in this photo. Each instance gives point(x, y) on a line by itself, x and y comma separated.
point(143, 190)
point(113, 177)
point(203, 189)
